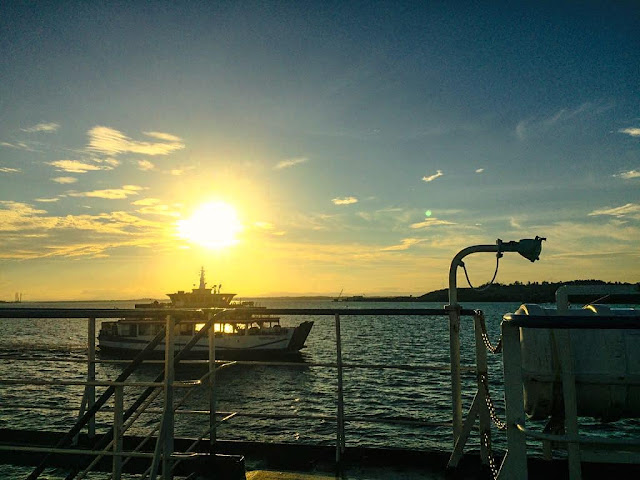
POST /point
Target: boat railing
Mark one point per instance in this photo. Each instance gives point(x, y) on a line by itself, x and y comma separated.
point(111, 443)
point(580, 447)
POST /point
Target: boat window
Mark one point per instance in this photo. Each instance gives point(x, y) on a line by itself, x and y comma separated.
point(128, 330)
point(144, 329)
point(184, 329)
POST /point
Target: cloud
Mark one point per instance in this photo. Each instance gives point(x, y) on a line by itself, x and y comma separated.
point(479, 170)
point(46, 200)
point(145, 202)
point(75, 166)
point(430, 222)
point(163, 136)
point(111, 193)
point(290, 162)
point(9, 170)
point(629, 174)
point(28, 232)
point(145, 165)
point(64, 180)
point(538, 126)
point(163, 210)
point(514, 223)
point(268, 228)
point(113, 142)
point(431, 178)
point(405, 244)
point(42, 127)
point(18, 146)
point(344, 200)
point(114, 162)
point(633, 131)
point(630, 209)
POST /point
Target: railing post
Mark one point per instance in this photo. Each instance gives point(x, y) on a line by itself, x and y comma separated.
point(168, 420)
point(340, 442)
point(562, 340)
point(514, 464)
point(118, 432)
point(482, 371)
point(91, 375)
point(456, 381)
point(212, 382)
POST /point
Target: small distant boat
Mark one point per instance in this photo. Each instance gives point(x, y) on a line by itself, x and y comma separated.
point(244, 332)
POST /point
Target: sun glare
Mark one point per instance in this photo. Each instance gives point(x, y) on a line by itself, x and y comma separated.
point(213, 225)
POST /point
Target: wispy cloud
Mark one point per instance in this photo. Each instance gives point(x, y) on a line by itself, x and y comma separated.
point(540, 125)
point(405, 244)
point(46, 200)
point(154, 206)
point(431, 178)
point(164, 210)
point(145, 165)
point(514, 223)
point(42, 127)
point(111, 193)
point(30, 232)
point(163, 136)
point(75, 166)
point(113, 142)
point(633, 131)
point(268, 228)
point(630, 209)
point(17, 146)
point(9, 170)
point(291, 162)
point(344, 200)
point(479, 170)
point(430, 222)
point(629, 174)
point(147, 202)
point(64, 180)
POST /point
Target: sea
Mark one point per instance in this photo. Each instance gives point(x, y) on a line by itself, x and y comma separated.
point(385, 407)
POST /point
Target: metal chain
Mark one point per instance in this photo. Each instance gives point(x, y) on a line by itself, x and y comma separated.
point(485, 336)
point(486, 441)
point(500, 425)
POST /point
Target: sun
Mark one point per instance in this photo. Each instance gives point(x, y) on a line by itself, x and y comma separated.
point(213, 225)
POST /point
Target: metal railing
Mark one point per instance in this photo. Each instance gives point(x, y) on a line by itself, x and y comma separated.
point(514, 464)
point(163, 455)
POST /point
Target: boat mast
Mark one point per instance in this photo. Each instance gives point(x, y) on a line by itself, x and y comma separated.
point(202, 283)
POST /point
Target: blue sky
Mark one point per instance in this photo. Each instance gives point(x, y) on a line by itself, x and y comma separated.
point(362, 143)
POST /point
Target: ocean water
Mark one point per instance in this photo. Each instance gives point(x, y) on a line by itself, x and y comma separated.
point(389, 396)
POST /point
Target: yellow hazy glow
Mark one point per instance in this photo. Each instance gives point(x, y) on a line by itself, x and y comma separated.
point(228, 328)
point(213, 225)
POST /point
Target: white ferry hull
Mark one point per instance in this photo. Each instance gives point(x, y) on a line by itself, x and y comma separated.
point(288, 342)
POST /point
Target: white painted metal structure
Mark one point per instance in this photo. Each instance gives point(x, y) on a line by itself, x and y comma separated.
point(590, 357)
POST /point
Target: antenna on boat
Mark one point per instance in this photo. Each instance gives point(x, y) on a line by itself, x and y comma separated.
point(202, 282)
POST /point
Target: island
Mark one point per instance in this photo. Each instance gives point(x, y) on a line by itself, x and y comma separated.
point(530, 292)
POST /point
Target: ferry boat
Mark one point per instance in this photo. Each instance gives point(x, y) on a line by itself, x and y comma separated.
point(243, 332)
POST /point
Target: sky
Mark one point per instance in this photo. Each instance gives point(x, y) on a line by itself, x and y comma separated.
point(361, 145)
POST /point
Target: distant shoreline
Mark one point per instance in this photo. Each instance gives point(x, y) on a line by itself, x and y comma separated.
point(517, 292)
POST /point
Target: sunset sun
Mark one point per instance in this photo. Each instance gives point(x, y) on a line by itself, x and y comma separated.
point(212, 225)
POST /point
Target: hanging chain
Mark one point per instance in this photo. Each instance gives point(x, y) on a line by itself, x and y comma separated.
point(486, 442)
point(492, 409)
point(485, 437)
point(485, 336)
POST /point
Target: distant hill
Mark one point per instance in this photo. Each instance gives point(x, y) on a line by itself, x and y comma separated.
point(516, 292)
